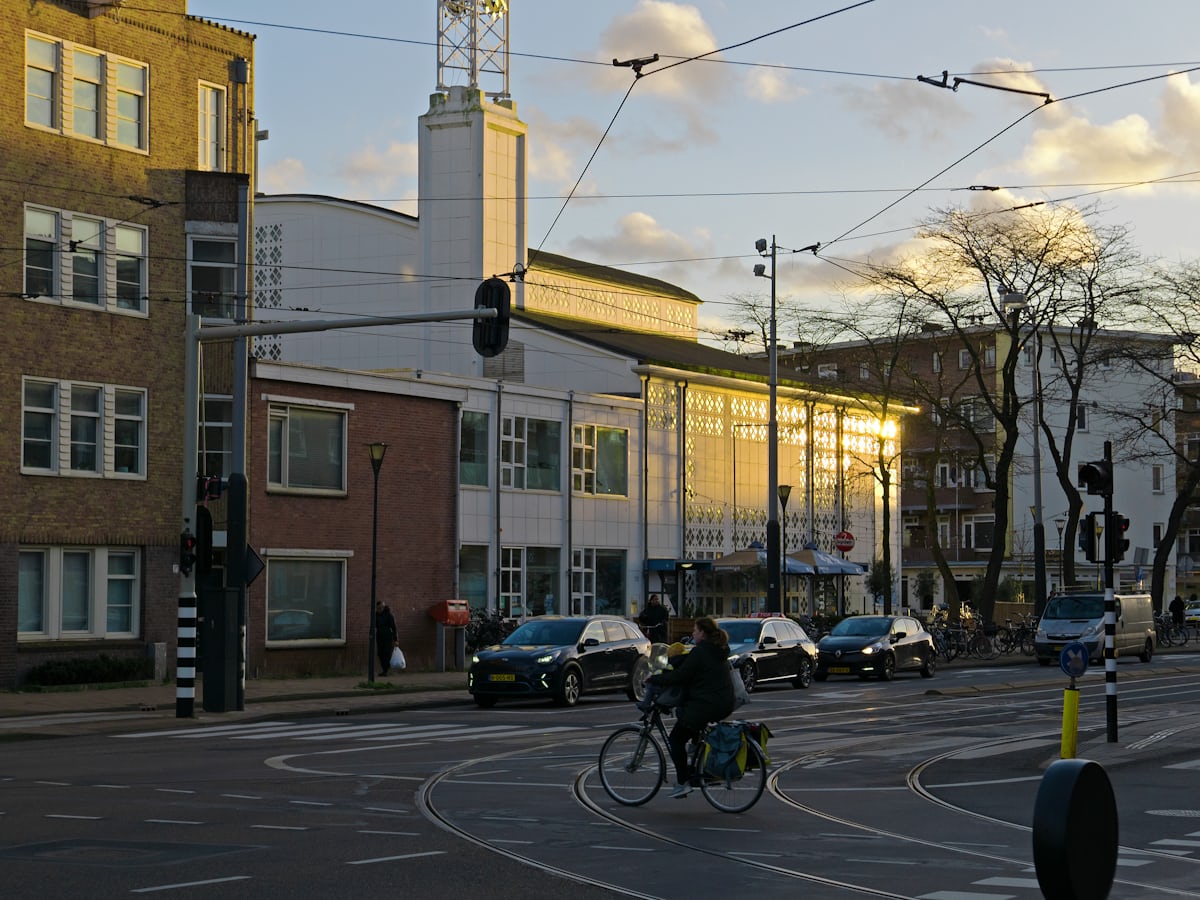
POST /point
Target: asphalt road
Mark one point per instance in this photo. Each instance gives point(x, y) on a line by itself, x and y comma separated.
point(917, 788)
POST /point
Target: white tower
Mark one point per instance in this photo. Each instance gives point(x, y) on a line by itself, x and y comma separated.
point(472, 181)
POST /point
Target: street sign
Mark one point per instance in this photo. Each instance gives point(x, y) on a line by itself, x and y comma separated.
point(843, 541)
point(1074, 659)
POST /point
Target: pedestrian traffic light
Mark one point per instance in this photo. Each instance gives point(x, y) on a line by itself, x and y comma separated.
point(204, 542)
point(490, 336)
point(187, 552)
point(1096, 477)
point(1087, 537)
point(1120, 543)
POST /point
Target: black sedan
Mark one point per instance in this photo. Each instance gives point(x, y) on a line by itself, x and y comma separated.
point(766, 650)
point(876, 645)
point(561, 657)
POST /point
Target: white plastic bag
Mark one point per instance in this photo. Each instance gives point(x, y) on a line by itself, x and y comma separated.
point(740, 695)
point(397, 660)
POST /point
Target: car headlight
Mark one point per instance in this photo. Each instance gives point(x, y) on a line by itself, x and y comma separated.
point(877, 647)
point(474, 658)
point(546, 658)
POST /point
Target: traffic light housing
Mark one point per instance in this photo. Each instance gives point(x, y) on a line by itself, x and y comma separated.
point(187, 552)
point(490, 336)
point(1120, 543)
point(1096, 477)
point(1087, 537)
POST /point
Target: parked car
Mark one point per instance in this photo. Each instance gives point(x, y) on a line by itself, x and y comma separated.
point(771, 649)
point(1079, 616)
point(562, 657)
point(1191, 614)
point(876, 645)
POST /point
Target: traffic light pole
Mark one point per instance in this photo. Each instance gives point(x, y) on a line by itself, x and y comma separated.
point(1110, 607)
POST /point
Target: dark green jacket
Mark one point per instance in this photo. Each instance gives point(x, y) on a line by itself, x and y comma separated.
point(707, 689)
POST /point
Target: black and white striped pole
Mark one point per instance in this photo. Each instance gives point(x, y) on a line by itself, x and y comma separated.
point(1110, 605)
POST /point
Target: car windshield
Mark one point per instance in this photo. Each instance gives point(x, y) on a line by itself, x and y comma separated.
point(547, 634)
point(1090, 607)
point(861, 626)
point(742, 632)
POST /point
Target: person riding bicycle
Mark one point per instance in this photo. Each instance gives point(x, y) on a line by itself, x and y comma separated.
point(704, 676)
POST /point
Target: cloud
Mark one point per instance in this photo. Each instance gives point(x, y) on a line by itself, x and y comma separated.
point(394, 163)
point(771, 86)
point(904, 110)
point(674, 30)
point(638, 237)
point(286, 176)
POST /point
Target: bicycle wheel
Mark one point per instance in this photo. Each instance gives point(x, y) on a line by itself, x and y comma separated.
point(632, 766)
point(742, 793)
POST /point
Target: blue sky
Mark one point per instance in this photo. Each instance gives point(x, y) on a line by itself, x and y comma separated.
point(813, 133)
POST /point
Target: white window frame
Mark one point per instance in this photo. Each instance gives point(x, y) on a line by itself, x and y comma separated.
point(211, 130)
point(100, 579)
point(864, 372)
point(937, 362)
point(223, 303)
point(827, 370)
point(512, 582)
point(216, 436)
point(279, 413)
point(583, 581)
point(118, 248)
point(94, 82)
point(62, 416)
point(276, 557)
point(970, 531)
point(122, 86)
point(964, 359)
point(517, 435)
point(1157, 480)
point(586, 464)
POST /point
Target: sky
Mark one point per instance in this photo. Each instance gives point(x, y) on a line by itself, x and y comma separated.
point(809, 125)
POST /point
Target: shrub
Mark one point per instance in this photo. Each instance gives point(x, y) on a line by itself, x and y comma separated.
point(100, 669)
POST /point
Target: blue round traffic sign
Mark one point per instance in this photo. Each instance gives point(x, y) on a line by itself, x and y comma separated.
point(1074, 659)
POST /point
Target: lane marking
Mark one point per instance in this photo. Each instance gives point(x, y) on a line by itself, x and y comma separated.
point(188, 884)
point(379, 859)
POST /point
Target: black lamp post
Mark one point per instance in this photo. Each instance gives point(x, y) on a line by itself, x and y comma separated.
point(785, 491)
point(376, 450)
point(1060, 523)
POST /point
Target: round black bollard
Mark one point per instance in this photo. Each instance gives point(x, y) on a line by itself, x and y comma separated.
point(1075, 831)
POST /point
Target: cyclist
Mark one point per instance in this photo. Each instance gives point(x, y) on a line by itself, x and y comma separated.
point(704, 676)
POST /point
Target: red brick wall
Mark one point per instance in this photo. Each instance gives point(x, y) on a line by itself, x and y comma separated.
point(416, 532)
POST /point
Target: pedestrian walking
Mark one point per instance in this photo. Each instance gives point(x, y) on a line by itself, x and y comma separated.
point(387, 637)
point(1176, 609)
point(654, 619)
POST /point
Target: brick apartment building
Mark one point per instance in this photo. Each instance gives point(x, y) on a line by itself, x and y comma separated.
point(122, 141)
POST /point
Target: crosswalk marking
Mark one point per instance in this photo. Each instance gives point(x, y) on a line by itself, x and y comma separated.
point(342, 731)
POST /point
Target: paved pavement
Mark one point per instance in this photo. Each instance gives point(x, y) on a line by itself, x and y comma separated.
point(72, 710)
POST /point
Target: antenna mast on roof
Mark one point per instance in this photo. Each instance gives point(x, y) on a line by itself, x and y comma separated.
point(473, 41)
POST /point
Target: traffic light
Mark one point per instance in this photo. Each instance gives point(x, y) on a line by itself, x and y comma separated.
point(187, 552)
point(204, 541)
point(1087, 537)
point(1120, 543)
point(490, 336)
point(1096, 477)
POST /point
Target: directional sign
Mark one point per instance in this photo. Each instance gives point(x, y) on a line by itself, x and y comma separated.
point(1074, 659)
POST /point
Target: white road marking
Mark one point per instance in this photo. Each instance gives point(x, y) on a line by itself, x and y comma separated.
point(187, 884)
point(379, 859)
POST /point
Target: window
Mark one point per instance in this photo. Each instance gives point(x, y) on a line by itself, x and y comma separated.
point(87, 99)
point(583, 581)
point(97, 417)
point(988, 355)
point(512, 569)
point(212, 265)
point(979, 532)
point(1193, 447)
point(473, 575)
point(306, 599)
point(74, 592)
point(530, 454)
point(216, 437)
point(102, 264)
point(76, 102)
point(1081, 417)
point(964, 359)
point(864, 372)
point(306, 448)
point(827, 370)
point(946, 476)
point(600, 460)
point(975, 413)
point(542, 580)
point(1157, 534)
point(943, 531)
point(1156, 478)
point(473, 449)
point(937, 362)
point(211, 133)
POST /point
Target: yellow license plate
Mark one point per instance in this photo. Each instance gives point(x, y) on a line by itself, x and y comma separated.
point(502, 677)
point(840, 670)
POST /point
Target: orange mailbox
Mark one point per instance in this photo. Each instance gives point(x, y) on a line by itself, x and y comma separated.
point(451, 612)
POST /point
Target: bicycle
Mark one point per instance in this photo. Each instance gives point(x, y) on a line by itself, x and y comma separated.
point(633, 765)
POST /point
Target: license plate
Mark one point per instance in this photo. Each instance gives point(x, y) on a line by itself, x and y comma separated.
point(502, 677)
point(1057, 648)
point(840, 670)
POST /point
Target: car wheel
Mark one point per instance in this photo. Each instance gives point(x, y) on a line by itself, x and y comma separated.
point(804, 675)
point(636, 689)
point(484, 702)
point(819, 675)
point(930, 668)
point(571, 687)
point(887, 667)
point(1148, 651)
point(749, 676)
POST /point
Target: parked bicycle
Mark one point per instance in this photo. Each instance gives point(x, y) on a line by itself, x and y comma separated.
point(633, 764)
point(1169, 633)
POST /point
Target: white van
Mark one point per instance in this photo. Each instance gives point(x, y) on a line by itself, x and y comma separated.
point(1079, 616)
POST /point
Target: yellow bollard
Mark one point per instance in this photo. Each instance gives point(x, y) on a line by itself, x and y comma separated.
point(1070, 726)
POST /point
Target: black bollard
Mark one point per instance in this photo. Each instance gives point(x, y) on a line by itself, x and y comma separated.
point(1075, 831)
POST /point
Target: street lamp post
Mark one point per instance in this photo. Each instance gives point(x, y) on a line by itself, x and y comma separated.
point(773, 556)
point(1060, 523)
point(785, 491)
point(376, 450)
